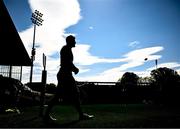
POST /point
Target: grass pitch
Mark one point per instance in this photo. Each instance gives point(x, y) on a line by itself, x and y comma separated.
point(106, 116)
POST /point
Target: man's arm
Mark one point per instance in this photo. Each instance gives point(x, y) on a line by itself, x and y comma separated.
point(75, 69)
point(67, 60)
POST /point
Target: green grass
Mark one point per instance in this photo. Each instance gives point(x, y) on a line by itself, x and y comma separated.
point(106, 115)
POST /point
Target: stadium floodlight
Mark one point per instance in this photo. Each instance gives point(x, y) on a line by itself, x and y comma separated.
point(36, 20)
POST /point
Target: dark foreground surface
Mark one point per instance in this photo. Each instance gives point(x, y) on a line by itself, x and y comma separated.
point(106, 115)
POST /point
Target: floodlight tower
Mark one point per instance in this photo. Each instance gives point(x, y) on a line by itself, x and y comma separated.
point(156, 63)
point(36, 20)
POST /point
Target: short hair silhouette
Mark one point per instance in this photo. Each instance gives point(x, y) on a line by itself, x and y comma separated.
point(69, 39)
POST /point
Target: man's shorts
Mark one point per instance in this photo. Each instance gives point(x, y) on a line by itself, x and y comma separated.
point(68, 90)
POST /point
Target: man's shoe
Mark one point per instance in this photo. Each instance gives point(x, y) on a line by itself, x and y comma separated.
point(49, 118)
point(85, 116)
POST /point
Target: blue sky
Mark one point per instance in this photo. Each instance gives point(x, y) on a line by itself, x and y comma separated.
point(113, 36)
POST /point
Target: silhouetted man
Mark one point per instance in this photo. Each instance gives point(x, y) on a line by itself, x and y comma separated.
point(67, 88)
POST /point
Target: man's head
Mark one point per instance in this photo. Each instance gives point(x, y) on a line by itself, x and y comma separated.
point(70, 41)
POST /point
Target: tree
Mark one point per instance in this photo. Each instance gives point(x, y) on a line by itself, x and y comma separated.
point(129, 78)
point(145, 80)
point(165, 77)
point(166, 80)
point(129, 82)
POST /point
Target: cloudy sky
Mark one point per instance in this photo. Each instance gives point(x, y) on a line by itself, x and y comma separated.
point(113, 36)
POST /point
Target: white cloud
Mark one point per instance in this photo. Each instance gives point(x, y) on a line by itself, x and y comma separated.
point(134, 44)
point(110, 76)
point(136, 57)
point(170, 65)
point(91, 27)
point(141, 54)
point(82, 56)
point(178, 71)
point(58, 15)
point(132, 59)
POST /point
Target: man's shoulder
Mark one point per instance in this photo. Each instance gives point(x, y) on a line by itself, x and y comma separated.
point(65, 49)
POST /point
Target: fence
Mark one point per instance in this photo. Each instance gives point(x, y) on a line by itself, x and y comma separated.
point(81, 83)
point(11, 71)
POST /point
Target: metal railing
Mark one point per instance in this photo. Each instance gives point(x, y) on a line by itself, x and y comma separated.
point(11, 71)
point(108, 83)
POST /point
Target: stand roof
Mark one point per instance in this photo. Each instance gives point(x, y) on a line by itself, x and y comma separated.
point(12, 50)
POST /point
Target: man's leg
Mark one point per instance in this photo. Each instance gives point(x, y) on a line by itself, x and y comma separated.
point(77, 105)
point(50, 106)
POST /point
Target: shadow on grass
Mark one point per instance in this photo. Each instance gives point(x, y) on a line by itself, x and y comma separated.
point(62, 125)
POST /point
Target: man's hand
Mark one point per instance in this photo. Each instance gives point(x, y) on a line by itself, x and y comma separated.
point(76, 70)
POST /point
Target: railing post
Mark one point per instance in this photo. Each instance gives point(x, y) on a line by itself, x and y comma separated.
point(43, 86)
